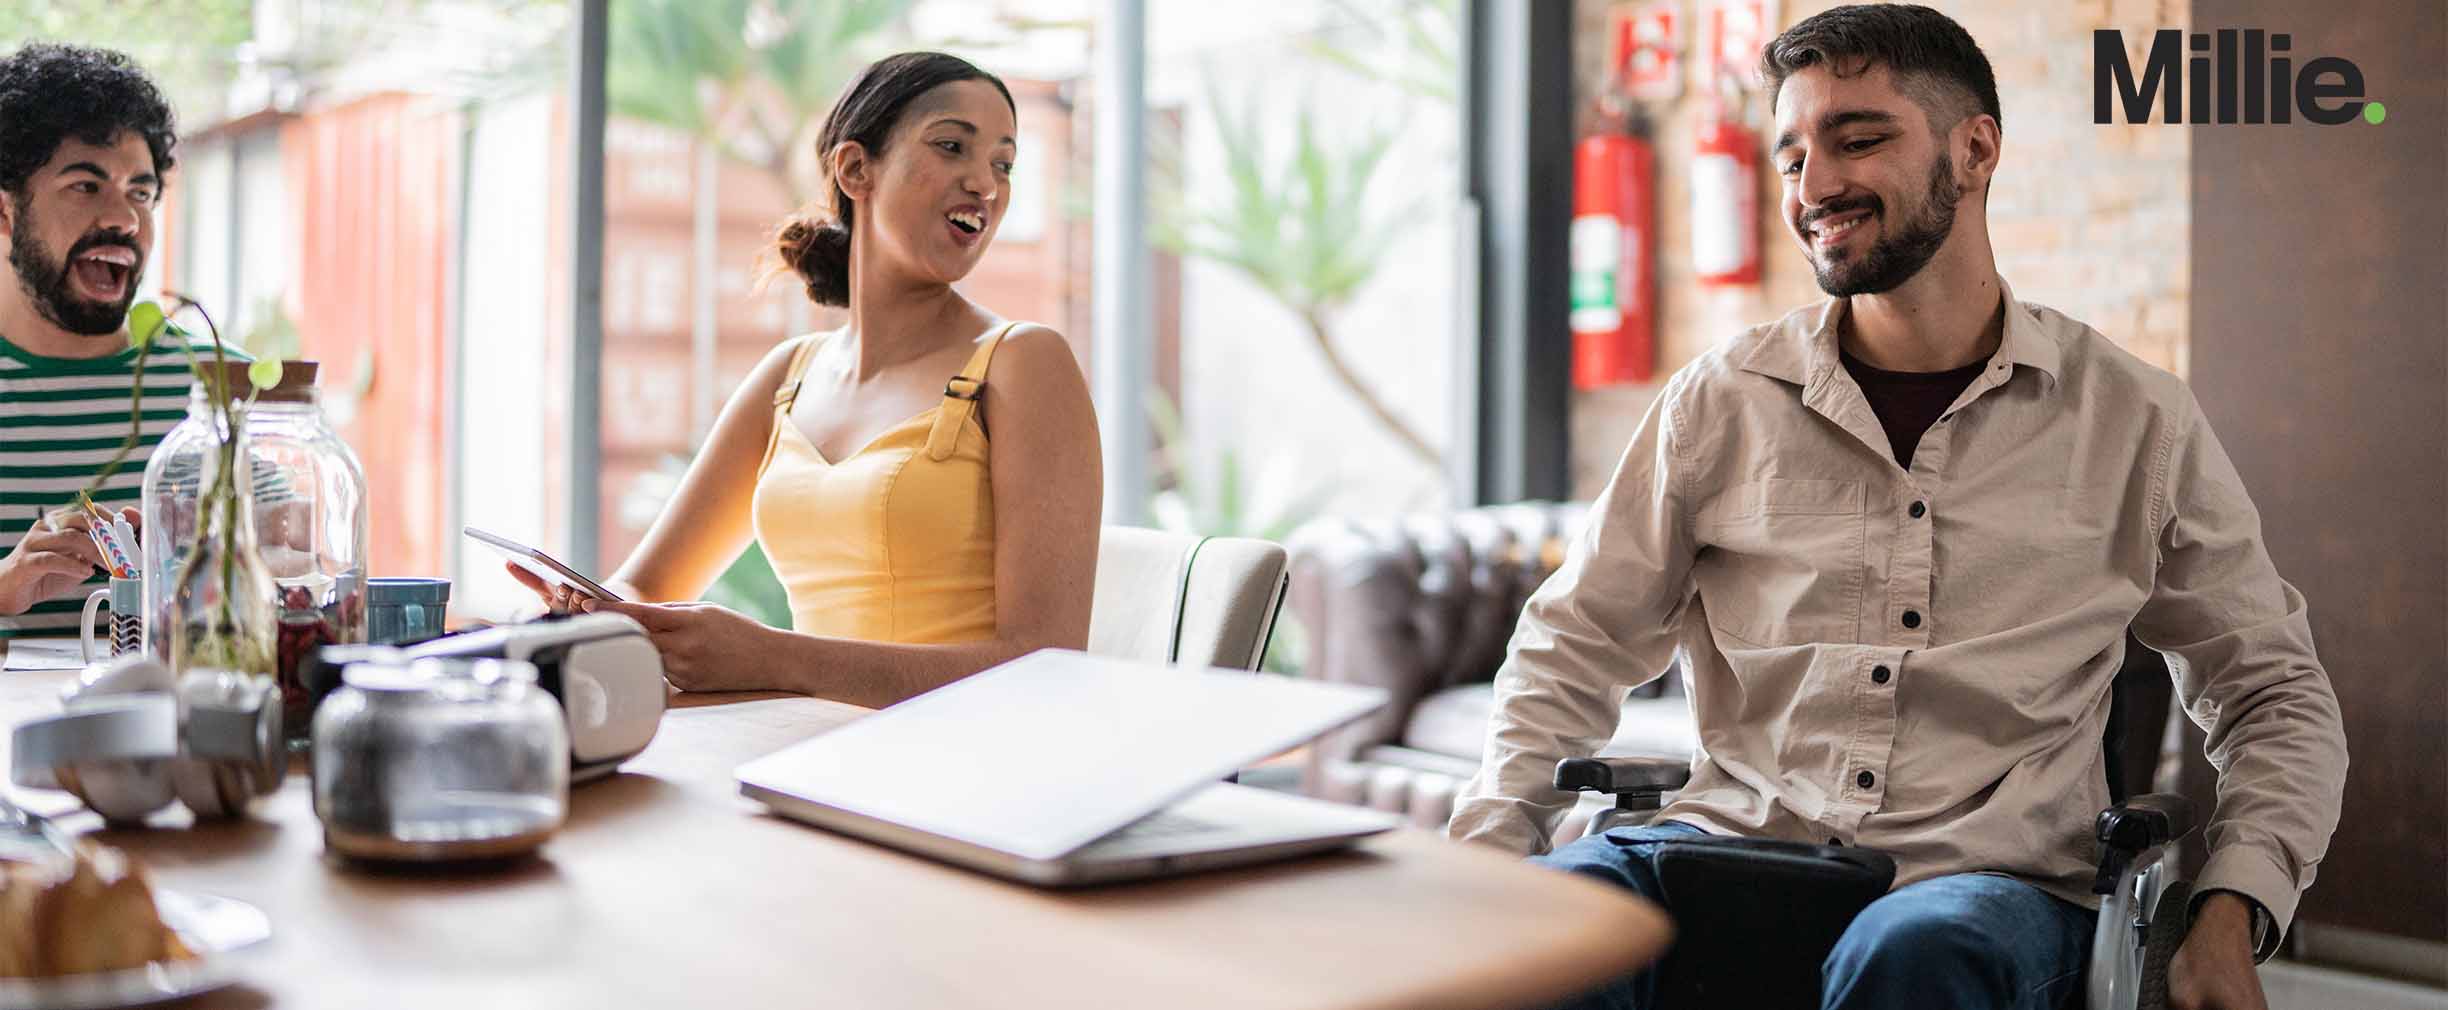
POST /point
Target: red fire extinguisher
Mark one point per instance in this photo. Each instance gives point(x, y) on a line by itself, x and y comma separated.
point(1612, 273)
point(1725, 202)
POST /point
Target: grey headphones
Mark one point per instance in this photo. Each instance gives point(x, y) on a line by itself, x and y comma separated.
point(132, 737)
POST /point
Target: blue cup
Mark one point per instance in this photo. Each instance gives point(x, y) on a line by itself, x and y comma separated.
point(405, 611)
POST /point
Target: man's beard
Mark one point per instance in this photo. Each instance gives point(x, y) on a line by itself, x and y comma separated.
point(45, 279)
point(1895, 258)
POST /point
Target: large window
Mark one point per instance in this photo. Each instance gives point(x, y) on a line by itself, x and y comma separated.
point(349, 192)
point(1303, 241)
point(1309, 188)
point(402, 211)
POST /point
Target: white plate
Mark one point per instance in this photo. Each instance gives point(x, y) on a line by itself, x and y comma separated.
point(216, 929)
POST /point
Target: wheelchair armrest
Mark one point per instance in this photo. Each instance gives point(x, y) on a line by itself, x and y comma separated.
point(2144, 821)
point(2130, 829)
point(1618, 775)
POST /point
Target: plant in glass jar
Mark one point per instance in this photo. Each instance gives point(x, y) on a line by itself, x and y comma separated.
point(208, 598)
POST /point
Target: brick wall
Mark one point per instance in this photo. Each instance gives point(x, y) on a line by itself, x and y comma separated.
point(2092, 220)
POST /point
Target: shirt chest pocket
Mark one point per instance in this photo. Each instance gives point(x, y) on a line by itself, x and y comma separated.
point(1782, 561)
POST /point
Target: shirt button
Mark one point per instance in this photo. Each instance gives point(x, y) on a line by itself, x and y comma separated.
point(1865, 780)
point(1918, 510)
point(1878, 674)
point(1912, 618)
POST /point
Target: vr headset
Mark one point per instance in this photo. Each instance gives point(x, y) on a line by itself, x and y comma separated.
point(601, 667)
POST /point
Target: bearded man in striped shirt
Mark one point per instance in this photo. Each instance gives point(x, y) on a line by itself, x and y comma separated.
point(85, 144)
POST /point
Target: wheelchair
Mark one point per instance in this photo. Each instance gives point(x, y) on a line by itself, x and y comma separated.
point(2145, 907)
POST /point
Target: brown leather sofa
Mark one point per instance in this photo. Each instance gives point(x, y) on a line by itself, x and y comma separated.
point(1422, 606)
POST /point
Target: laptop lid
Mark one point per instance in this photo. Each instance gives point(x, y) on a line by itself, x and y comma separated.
point(1044, 754)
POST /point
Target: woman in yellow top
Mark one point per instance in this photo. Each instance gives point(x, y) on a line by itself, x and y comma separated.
point(926, 479)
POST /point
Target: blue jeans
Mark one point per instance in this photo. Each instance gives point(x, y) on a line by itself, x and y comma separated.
point(1967, 940)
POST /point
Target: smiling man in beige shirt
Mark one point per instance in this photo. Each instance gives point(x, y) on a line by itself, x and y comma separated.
point(1898, 538)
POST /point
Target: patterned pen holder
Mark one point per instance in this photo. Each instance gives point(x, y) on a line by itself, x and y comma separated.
point(125, 597)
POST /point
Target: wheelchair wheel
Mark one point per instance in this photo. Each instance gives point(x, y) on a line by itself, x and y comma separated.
point(2121, 943)
point(2168, 922)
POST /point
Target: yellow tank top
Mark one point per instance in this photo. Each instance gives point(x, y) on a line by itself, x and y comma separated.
point(894, 542)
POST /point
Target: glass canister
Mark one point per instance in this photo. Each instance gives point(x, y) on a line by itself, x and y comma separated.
point(439, 760)
point(208, 600)
point(305, 499)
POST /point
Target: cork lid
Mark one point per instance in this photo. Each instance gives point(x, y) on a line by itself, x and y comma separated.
point(297, 383)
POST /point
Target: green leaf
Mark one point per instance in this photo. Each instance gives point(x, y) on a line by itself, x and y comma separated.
point(1229, 505)
point(265, 373)
point(145, 321)
point(751, 587)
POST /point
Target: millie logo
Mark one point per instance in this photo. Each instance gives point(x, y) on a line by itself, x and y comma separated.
point(2264, 88)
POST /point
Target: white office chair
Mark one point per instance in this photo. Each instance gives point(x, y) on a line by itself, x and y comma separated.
point(1176, 598)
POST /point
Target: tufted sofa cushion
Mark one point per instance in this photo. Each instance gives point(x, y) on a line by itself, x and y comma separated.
point(1423, 606)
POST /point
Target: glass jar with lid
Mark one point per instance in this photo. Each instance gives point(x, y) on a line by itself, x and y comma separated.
point(302, 504)
point(439, 759)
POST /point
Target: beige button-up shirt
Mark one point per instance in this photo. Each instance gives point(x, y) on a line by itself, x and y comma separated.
point(1933, 685)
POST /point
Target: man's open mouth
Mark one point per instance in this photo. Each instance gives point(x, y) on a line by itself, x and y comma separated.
point(968, 221)
point(104, 274)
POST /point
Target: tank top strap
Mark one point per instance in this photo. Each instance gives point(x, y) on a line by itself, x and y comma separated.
point(793, 377)
point(786, 395)
point(961, 395)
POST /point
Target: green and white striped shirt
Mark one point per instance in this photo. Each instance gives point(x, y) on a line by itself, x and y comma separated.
point(61, 419)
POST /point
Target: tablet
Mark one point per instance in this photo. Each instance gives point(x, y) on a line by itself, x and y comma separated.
point(541, 565)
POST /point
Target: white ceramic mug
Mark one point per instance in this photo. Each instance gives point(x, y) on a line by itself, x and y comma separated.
point(126, 629)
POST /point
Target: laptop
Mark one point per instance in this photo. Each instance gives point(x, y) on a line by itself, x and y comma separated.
point(1061, 768)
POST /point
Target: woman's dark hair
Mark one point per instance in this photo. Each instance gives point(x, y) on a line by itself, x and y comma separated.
point(1931, 56)
point(50, 92)
point(815, 244)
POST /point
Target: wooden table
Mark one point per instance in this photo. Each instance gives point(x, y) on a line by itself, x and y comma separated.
point(669, 889)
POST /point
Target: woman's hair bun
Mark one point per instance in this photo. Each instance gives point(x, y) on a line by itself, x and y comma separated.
point(818, 250)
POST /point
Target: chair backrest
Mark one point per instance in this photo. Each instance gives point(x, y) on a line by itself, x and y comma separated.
point(1176, 598)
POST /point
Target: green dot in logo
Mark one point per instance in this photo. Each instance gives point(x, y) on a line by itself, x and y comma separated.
point(2374, 112)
